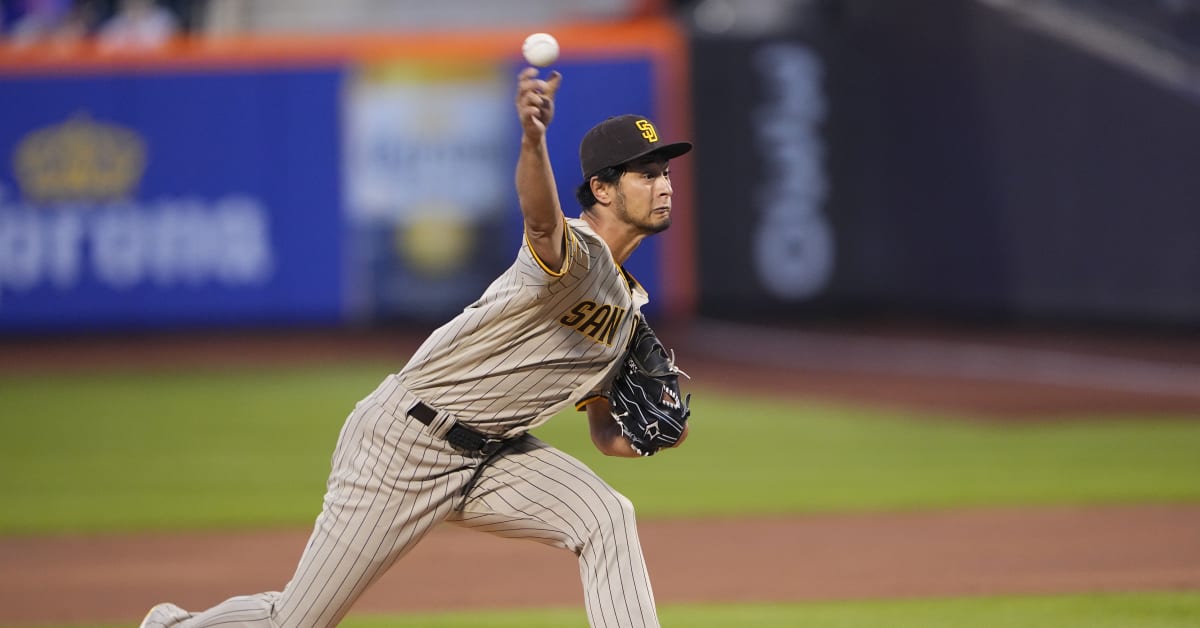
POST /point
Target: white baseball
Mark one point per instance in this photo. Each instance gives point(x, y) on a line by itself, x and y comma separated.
point(540, 49)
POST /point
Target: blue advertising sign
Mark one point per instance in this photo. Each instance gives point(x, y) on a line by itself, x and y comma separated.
point(162, 200)
point(360, 191)
point(430, 154)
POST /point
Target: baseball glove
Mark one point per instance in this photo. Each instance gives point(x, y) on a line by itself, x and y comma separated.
point(645, 398)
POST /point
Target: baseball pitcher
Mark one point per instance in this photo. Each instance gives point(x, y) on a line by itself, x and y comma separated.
point(446, 439)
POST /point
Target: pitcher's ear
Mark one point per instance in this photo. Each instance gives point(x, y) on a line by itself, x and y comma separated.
point(601, 190)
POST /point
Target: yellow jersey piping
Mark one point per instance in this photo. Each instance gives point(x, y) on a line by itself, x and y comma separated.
point(568, 242)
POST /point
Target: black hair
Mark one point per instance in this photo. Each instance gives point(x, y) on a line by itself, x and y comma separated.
point(583, 193)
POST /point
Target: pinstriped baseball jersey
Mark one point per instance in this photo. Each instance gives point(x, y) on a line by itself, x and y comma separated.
point(394, 478)
point(536, 341)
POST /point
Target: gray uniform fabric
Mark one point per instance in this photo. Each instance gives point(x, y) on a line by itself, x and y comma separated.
point(533, 344)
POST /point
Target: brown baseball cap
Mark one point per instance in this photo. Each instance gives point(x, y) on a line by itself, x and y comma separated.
point(622, 139)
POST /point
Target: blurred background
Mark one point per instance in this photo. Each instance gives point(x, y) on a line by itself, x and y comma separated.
point(936, 256)
point(227, 163)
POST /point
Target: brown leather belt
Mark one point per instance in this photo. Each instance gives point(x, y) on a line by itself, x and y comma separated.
point(459, 435)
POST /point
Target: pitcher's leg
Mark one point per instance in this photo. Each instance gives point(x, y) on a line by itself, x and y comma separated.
point(537, 492)
point(391, 482)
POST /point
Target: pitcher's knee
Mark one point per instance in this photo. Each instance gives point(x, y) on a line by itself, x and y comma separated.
point(626, 506)
point(615, 514)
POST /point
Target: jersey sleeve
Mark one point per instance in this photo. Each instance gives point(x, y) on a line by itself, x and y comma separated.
point(537, 272)
point(582, 404)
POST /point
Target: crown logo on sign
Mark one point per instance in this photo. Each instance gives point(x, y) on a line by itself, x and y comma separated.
point(79, 159)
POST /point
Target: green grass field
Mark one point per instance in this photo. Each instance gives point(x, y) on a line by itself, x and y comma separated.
point(206, 448)
point(1116, 610)
point(1147, 610)
point(203, 449)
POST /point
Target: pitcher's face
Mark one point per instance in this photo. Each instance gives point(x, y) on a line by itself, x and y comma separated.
point(643, 195)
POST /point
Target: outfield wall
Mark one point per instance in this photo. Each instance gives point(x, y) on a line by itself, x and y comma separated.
point(949, 160)
point(945, 159)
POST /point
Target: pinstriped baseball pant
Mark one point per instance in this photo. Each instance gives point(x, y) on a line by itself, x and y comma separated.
point(392, 480)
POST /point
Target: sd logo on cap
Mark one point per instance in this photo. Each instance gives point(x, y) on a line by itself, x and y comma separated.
point(622, 139)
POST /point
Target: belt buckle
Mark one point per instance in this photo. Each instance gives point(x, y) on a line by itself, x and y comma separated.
point(491, 446)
